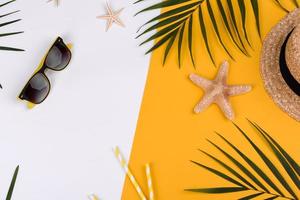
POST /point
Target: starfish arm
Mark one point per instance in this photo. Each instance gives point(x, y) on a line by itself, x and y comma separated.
point(225, 106)
point(234, 90)
point(204, 103)
point(223, 72)
point(104, 17)
point(200, 81)
point(108, 24)
point(119, 11)
point(119, 22)
point(109, 10)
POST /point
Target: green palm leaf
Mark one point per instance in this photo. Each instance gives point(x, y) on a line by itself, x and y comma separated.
point(255, 167)
point(165, 30)
point(185, 11)
point(179, 19)
point(216, 29)
point(204, 34)
point(5, 48)
point(285, 161)
point(270, 164)
point(173, 12)
point(222, 11)
point(278, 3)
point(280, 157)
point(230, 169)
point(163, 4)
point(161, 42)
point(190, 38)
point(12, 184)
point(180, 43)
point(272, 198)
point(218, 190)
point(252, 196)
point(242, 8)
point(255, 8)
point(7, 14)
point(170, 44)
point(6, 3)
point(241, 167)
point(290, 160)
point(220, 174)
point(235, 26)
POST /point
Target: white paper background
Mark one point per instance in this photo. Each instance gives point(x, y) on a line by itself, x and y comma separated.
point(64, 146)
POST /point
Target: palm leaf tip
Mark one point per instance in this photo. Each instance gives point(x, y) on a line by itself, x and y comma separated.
point(10, 49)
point(161, 5)
point(6, 3)
point(12, 184)
point(180, 39)
point(217, 190)
point(169, 46)
point(242, 8)
point(255, 8)
point(251, 196)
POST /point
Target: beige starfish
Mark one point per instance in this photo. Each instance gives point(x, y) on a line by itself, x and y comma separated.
point(112, 17)
point(57, 2)
point(218, 92)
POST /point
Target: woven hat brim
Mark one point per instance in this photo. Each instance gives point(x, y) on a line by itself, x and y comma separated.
point(274, 83)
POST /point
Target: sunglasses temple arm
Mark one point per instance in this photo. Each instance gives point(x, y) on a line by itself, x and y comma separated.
point(70, 45)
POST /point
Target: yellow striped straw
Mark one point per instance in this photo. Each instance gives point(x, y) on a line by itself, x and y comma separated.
point(124, 165)
point(93, 197)
point(149, 182)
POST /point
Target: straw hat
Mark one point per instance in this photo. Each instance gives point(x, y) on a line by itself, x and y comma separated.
point(280, 64)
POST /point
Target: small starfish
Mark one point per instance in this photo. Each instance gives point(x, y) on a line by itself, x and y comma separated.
point(112, 17)
point(57, 2)
point(218, 92)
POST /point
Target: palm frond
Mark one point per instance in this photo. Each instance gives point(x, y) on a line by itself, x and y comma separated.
point(5, 48)
point(215, 26)
point(278, 3)
point(261, 183)
point(12, 184)
point(242, 8)
point(288, 168)
point(269, 164)
point(177, 14)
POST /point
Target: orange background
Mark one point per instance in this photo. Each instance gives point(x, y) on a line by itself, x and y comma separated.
point(169, 134)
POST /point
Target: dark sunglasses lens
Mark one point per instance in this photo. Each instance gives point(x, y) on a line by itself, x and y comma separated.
point(37, 89)
point(59, 56)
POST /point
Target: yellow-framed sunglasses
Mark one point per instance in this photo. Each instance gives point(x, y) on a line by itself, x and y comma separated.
point(38, 87)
